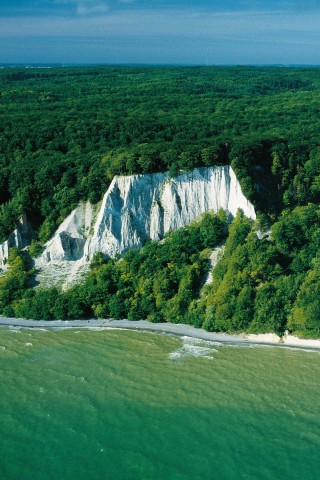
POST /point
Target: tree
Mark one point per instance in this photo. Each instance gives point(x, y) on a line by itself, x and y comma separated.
point(15, 281)
point(305, 316)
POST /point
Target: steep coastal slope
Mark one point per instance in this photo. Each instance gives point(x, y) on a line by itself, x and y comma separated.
point(142, 207)
point(135, 209)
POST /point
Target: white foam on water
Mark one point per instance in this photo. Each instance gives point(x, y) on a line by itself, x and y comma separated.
point(200, 341)
point(14, 329)
point(247, 345)
point(104, 328)
point(263, 345)
point(194, 347)
point(299, 349)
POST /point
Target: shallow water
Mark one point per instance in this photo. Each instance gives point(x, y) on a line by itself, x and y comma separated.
point(133, 405)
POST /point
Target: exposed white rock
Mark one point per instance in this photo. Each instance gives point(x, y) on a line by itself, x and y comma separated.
point(20, 238)
point(263, 234)
point(215, 256)
point(137, 208)
point(142, 207)
point(68, 242)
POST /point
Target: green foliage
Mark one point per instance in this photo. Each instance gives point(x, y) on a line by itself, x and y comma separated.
point(35, 248)
point(14, 283)
point(296, 235)
point(66, 132)
point(40, 306)
point(158, 282)
point(273, 304)
point(305, 316)
point(212, 230)
point(262, 285)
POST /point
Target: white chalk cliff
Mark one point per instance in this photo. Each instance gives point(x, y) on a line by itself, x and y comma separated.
point(138, 208)
point(20, 238)
point(69, 241)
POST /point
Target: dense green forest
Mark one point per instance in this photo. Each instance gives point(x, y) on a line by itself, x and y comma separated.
point(64, 134)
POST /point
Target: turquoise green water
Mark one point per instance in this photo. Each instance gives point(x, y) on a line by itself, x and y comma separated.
point(133, 405)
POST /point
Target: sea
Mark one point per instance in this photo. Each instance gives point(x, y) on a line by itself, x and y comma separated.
point(131, 405)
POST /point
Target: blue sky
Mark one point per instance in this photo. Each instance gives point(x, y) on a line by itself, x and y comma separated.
point(160, 31)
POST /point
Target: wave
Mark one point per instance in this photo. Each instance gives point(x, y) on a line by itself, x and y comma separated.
point(195, 347)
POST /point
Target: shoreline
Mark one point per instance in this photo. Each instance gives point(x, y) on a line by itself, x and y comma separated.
point(179, 329)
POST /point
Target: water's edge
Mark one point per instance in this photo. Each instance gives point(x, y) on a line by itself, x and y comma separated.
point(170, 328)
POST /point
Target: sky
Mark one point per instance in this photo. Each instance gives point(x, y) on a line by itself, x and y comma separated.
point(196, 32)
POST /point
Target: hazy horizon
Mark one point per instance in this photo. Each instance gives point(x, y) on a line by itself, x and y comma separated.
point(160, 32)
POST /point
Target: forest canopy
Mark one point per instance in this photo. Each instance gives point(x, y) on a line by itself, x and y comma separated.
point(65, 132)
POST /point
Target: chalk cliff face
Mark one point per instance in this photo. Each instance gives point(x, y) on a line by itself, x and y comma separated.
point(137, 208)
point(69, 241)
point(142, 207)
point(20, 238)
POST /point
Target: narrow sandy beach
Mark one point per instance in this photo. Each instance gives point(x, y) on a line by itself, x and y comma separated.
point(170, 328)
